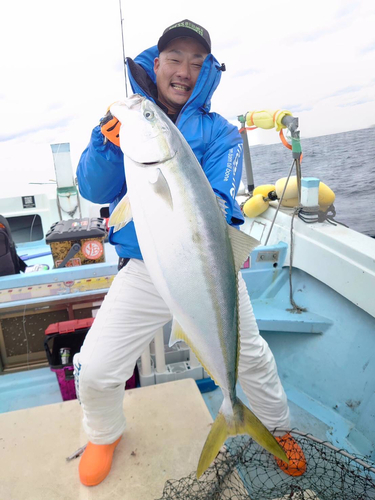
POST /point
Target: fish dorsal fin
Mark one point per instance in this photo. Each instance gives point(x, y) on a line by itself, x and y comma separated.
point(222, 205)
point(177, 333)
point(121, 215)
point(242, 245)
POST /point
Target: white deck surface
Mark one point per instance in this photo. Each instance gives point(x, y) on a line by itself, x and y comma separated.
point(167, 425)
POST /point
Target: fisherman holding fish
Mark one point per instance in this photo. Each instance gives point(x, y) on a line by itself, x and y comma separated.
point(175, 221)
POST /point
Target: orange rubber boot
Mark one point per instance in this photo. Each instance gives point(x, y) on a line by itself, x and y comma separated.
point(96, 462)
point(297, 460)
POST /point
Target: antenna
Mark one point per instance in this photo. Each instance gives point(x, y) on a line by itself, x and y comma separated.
point(123, 51)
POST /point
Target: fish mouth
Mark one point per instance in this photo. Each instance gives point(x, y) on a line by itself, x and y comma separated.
point(157, 162)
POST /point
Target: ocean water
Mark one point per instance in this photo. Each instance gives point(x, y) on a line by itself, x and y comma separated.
point(345, 162)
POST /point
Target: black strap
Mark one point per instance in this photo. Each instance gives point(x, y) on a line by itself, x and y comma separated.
point(122, 262)
point(21, 264)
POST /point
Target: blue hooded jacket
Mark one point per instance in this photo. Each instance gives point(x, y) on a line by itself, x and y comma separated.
point(215, 142)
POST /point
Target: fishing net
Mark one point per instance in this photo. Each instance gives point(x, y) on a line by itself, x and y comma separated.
point(243, 471)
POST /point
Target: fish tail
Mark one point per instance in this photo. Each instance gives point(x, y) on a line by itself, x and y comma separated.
point(243, 421)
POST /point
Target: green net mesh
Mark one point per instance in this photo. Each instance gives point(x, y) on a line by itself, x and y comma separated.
point(243, 471)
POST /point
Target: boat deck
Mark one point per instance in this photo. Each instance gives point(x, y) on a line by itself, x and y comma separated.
point(166, 427)
point(161, 441)
point(39, 387)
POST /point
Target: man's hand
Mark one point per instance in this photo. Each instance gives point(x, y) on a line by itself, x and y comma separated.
point(110, 127)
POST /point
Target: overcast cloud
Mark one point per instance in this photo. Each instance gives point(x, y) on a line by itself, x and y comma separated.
point(61, 66)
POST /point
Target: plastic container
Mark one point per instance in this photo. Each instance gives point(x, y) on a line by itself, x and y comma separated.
point(65, 335)
point(69, 335)
point(77, 242)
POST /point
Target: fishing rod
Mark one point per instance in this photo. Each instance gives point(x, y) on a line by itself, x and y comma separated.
point(123, 51)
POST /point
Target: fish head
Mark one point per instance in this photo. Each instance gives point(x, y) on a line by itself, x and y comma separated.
point(146, 136)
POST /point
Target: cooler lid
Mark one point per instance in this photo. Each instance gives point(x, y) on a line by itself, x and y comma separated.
point(69, 326)
point(76, 229)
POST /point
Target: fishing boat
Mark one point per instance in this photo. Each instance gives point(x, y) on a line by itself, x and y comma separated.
point(49, 290)
point(310, 281)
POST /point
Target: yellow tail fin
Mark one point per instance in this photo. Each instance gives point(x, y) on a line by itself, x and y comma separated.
point(244, 422)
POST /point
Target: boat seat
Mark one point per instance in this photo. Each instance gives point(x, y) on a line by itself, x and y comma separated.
point(274, 316)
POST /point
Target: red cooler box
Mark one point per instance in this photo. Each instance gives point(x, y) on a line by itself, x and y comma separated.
point(63, 340)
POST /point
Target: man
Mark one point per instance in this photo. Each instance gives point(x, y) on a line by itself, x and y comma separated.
point(180, 75)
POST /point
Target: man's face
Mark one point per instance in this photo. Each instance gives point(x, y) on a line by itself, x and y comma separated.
point(177, 69)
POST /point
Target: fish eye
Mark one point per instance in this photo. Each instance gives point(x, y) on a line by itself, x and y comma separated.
point(149, 115)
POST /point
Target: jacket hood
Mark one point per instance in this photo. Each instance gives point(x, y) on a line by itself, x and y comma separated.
point(208, 80)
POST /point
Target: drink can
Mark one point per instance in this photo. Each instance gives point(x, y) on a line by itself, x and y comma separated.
point(64, 354)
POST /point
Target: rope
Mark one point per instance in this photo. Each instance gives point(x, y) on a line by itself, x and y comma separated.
point(246, 128)
point(283, 140)
point(70, 213)
point(312, 215)
point(279, 204)
point(296, 308)
point(286, 143)
point(309, 216)
point(329, 216)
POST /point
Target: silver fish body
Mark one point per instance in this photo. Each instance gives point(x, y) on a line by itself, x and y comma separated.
point(192, 254)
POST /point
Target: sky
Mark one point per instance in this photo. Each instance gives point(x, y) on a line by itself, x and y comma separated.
point(62, 66)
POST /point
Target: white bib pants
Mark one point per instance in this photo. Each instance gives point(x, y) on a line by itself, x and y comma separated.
point(126, 323)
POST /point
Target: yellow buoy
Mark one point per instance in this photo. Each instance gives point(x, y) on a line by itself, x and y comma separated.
point(291, 189)
point(326, 195)
point(264, 189)
point(293, 202)
point(255, 206)
point(325, 198)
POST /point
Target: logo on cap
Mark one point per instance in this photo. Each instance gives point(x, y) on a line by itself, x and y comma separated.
point(187, 24)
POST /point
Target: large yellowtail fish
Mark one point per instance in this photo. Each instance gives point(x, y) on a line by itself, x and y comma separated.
point(192, 255)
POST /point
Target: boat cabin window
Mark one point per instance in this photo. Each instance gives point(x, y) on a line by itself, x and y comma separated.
point(26, 228)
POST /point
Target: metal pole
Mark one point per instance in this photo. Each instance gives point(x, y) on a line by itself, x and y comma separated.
point(123, 51)
point(298, 172)
point(291, 123)
point(246, 156)
point(296, 152)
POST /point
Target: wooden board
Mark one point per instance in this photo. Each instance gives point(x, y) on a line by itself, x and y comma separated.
point(167, 425)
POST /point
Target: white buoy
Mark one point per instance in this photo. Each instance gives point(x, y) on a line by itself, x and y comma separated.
point(310, 191)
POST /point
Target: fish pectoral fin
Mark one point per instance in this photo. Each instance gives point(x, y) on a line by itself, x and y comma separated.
point(121, 215)
point(243, 422)
point(160, 186)
point(242, 245)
